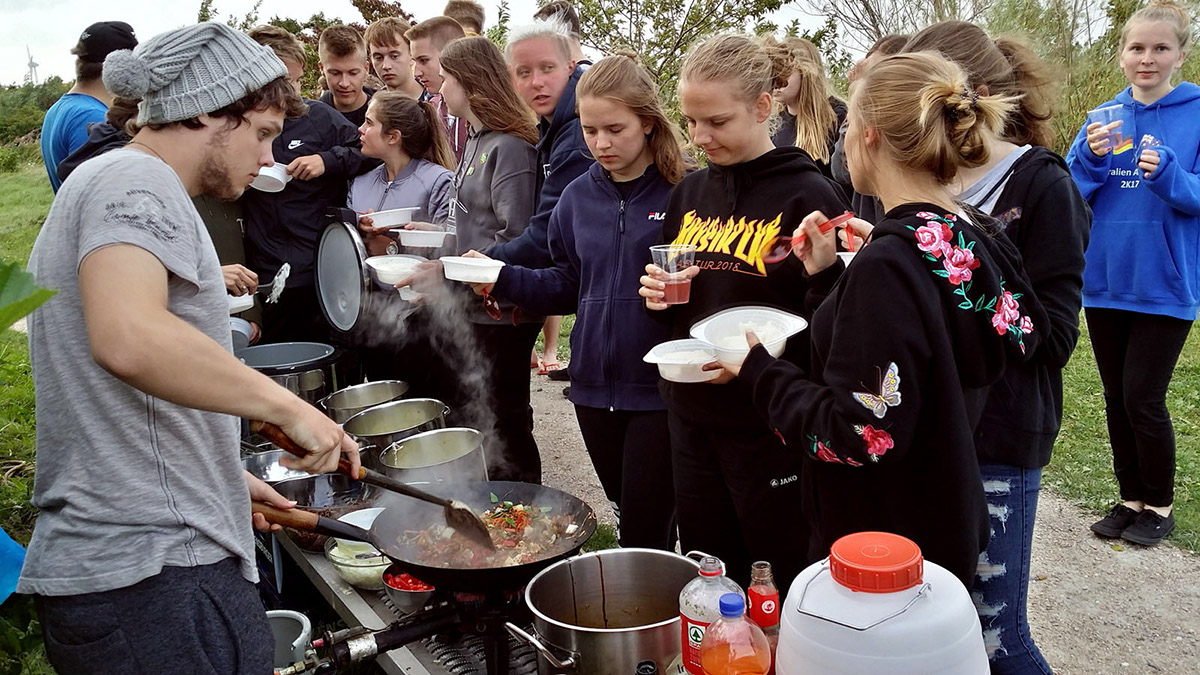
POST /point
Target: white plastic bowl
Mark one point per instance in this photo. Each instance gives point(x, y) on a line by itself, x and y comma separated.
point(362, 518)
point(471, 270)
point(681, 360)
point(393, 217)
point(392, 269)
point(725, 331)
point(422, 238)
point(272, 178)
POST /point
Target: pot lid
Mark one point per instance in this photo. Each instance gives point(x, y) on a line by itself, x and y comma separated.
point(284, 354)
point(342, 280)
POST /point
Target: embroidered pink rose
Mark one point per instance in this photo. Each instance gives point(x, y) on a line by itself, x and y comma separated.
point(1000, 323)
point(934, 238)
point(878, 441)
point(1026, 325)
point(958, 263)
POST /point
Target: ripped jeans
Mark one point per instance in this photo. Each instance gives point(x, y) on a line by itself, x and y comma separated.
point(1002, 582)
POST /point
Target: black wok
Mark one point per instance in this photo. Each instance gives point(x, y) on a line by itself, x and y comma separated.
point(392, 524)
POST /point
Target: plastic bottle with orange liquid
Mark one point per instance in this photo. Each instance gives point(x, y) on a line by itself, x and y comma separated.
point(732, 645)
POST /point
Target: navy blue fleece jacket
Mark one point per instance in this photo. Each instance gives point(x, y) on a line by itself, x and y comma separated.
point(562, 157)
point(600, 243)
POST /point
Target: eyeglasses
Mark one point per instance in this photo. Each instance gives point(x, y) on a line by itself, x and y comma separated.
point(782, 247)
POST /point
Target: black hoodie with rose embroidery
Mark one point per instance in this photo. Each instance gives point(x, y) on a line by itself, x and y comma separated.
point(925, 318)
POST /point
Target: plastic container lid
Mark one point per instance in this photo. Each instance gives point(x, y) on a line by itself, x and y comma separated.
point(732, 606)
point(876, 562)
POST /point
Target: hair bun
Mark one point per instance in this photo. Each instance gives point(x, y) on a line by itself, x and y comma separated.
point(627, 53)
point(126, 74)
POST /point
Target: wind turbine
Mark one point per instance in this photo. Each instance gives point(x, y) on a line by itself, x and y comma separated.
point(32, 75)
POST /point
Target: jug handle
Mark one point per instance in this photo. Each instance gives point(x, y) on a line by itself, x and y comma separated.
point(925, 588)
point(568, 663)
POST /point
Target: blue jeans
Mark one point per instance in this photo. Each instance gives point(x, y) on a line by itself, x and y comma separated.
point(1002, 581)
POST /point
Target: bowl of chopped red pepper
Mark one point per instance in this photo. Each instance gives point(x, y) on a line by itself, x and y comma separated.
point(406, 592)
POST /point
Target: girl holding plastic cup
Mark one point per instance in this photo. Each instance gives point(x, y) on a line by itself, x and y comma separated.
point(733, 476)
point(1141, 285)
point(599, 232)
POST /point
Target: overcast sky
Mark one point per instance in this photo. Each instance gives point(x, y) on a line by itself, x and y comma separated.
point(50, 28)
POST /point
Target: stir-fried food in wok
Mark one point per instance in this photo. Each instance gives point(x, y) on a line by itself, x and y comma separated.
point(520, 533)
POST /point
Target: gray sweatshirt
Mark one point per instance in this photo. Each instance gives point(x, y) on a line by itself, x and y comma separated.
point(422, 183)
point(494, 188)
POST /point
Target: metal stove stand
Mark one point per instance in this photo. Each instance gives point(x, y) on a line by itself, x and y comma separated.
point(374, 610)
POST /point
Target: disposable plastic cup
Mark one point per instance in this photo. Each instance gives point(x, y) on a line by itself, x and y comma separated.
point(1114, 113)
point(674, 260)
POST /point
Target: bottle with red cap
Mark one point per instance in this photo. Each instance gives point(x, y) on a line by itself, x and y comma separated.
point(699, 606)
point(877, 606)
point(732, 645)
point(763, 609)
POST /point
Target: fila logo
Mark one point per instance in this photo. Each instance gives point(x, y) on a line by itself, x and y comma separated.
point(295, 144)
point(657, 215)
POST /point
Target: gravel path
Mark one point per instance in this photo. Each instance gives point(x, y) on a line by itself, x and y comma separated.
point(1095, 608)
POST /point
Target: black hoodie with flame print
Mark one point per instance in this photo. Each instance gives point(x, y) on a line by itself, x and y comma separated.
point(732, 214)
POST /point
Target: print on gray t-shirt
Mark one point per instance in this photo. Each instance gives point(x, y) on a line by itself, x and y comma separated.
point(126, 483)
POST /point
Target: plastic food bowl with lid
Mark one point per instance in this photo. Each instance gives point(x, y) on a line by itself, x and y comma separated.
point(471, 270)
point(726, 331)
point(681, 360)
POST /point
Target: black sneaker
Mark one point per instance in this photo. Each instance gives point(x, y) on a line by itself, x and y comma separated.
point(559, 375)
point(1115, 522)
point(1149, 528)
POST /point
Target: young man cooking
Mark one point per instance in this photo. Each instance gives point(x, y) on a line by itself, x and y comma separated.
point(142, 558)
point(344, 64)
point(427, 40)
point(390, 56)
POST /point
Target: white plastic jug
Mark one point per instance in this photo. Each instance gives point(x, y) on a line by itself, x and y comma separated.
point(292, 632)
point(875, 606)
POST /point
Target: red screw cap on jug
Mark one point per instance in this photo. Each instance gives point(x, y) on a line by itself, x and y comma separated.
point(876, 562)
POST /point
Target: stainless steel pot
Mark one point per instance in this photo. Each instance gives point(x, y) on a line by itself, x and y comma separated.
point(439, 456)
point(266, 466)
point(310, 370)
point(332, 495)
point(604, 612)
point(346, 403)
point(385, 424)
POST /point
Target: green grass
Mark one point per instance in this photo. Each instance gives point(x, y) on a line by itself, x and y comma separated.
point(25, 198)
point(1081, 469)
point(17, 433)
point(604, 538)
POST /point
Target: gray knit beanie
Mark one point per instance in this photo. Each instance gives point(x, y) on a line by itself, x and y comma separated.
point(190, 71)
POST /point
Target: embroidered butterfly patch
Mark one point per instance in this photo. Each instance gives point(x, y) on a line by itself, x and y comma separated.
point(888, 396)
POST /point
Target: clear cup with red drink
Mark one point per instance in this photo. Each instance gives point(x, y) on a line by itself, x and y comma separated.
point(674, 260)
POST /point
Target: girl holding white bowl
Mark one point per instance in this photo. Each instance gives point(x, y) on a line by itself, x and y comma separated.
point(417, 169)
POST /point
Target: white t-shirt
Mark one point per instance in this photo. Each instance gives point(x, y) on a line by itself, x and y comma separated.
point(127, 483)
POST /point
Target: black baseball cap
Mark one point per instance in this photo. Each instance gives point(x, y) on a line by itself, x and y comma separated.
point(100, 39)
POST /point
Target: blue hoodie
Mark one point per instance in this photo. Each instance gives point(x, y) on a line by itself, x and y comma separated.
point(600, 243)
point(1144, 254)
point(563, 157)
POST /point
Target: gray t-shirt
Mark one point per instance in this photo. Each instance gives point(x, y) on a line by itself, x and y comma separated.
point(126, 483)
